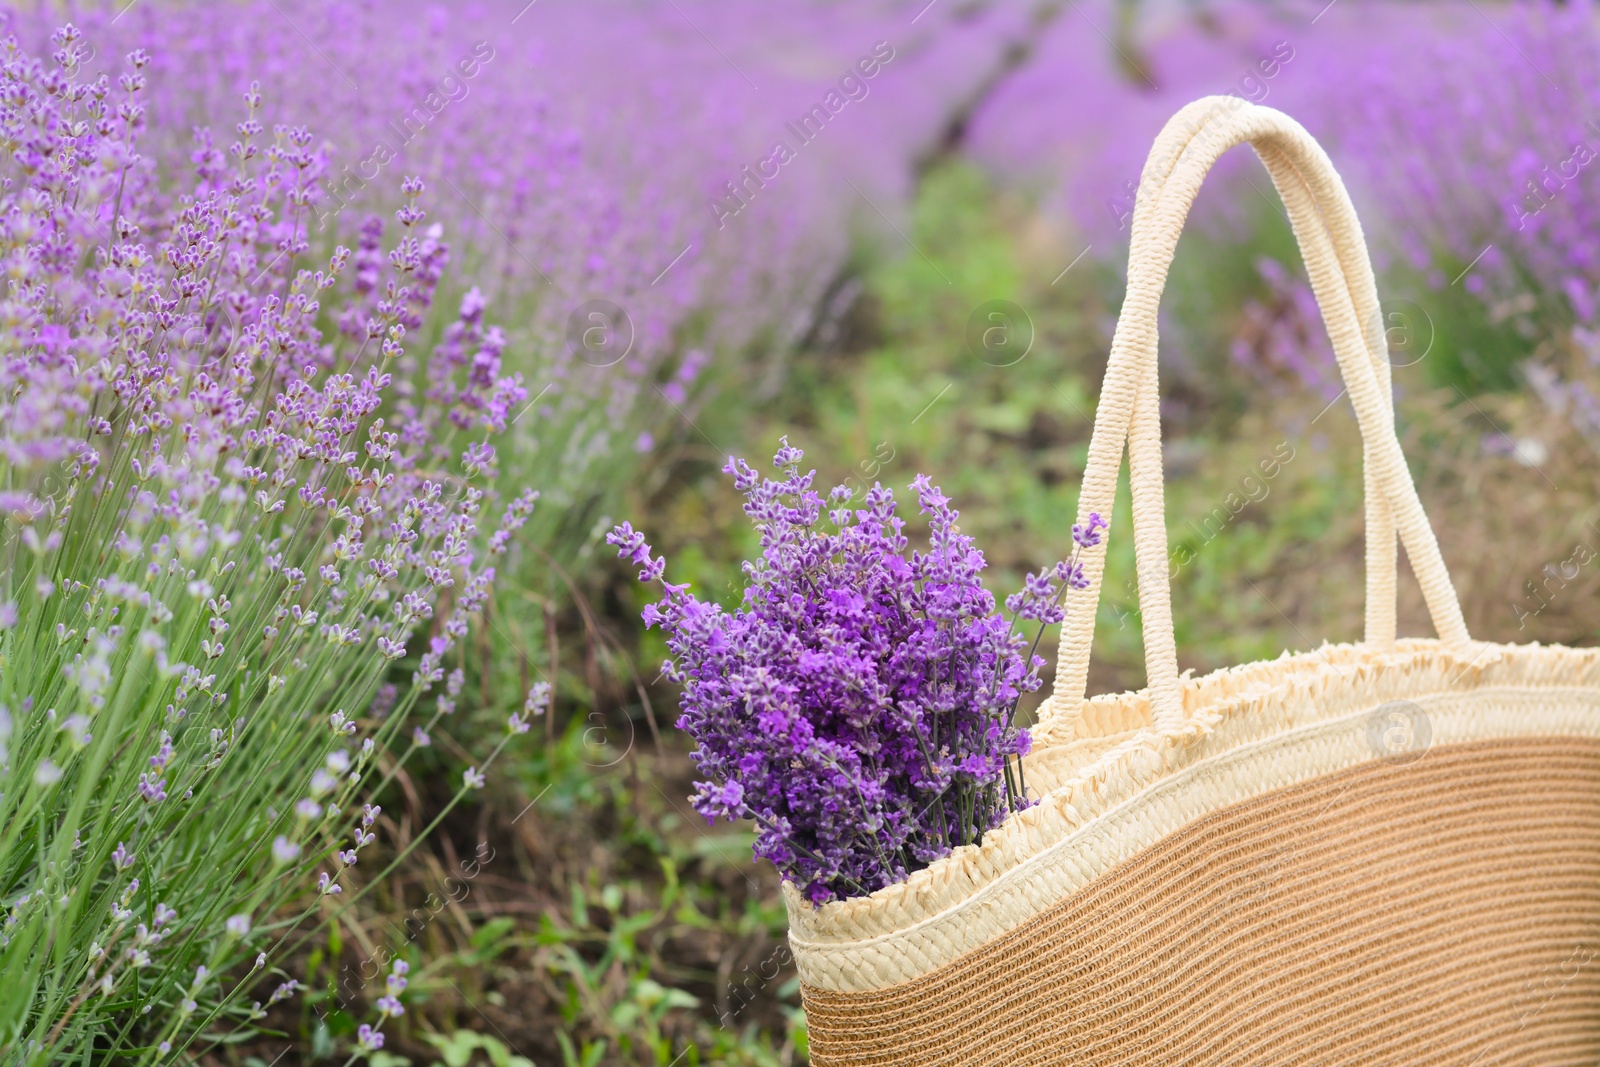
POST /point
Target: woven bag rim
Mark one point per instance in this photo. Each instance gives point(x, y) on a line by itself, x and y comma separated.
point(1333, 680)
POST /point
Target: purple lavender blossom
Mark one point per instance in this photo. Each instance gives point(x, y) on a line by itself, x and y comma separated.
point(860, 704)
point(1281, 337)
point(369, 1039)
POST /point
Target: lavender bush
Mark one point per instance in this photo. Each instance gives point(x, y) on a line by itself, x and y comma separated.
point(1280, 335)
point(860, 705)
point(1486, 161)
point(1468, 137)
point(608, 151)
point(234, 502)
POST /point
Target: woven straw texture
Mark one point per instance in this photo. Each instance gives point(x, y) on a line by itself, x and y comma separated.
point(1379, 853)
point(1441, 912)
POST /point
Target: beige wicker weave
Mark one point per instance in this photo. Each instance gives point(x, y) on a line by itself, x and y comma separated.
point(1377, 854)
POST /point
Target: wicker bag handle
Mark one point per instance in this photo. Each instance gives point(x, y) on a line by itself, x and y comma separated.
point(1355, 269)
point(1182, 130)
point(1341, 275)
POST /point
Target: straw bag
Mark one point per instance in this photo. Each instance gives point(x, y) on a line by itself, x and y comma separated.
point(1380, 853)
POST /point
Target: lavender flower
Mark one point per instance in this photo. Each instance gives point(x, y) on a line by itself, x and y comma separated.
point(152, 789)
point(860, 704)
point(284, 850)
point(284, 991)
point(389, 1005)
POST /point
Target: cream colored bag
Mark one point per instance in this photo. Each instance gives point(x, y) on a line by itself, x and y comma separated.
point(1376, 854)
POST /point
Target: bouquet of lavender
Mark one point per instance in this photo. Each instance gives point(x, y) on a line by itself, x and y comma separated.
point(860, 706)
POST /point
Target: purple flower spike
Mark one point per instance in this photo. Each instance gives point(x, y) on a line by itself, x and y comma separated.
point(1088, 536)
point(369, 1039)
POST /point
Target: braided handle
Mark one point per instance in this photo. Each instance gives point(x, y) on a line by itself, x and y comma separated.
point(1330, 238)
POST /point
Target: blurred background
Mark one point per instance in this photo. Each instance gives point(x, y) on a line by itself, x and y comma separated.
point(897, 233)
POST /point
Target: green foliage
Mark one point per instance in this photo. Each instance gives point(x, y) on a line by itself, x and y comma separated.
point(457, 1049)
